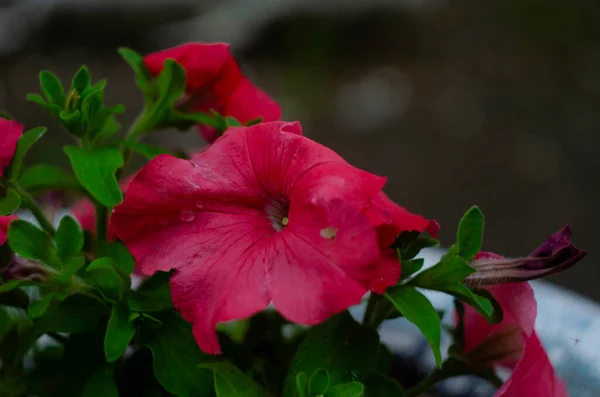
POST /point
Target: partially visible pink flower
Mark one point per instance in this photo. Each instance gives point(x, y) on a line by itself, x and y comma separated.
point(10, 132)
point(512, 344)
point(557, 253)
point(215, 81)
point(262, 215)
point(85, 212)
point(4, 223)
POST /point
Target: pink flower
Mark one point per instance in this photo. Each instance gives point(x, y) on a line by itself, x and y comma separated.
point(10, 131)
point(263, 215)
point(4, 223)
point(513, 344)
point(215, 81)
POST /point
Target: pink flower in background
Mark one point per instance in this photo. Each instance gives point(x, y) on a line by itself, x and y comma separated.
point(10, 132)
point(4, 223)
point(512, 344)
point(263, 215)
point(215, 81)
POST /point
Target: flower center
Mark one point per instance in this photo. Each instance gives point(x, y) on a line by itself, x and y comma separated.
point(277, 212)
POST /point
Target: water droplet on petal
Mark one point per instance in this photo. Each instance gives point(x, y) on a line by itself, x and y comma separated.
point(199, 205)
point(188, 216)
point(329, 232)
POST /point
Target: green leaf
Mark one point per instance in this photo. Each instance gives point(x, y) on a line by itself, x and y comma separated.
point(119, 333)
point(37, 308)
point(10, 203)
point(418, 310)
point(77, 313)
point(350, 389)
point(301, 384)
point(25, 143)
point(69, 238)
point(232, 122)
point(70, 267)
point(410, 243)
point(379, 385)
point(171, 86)
point(319, 382)
point(95, 169)
point(12, 284)
point(143, 78)
point(257, 120)
point(411, 266)
point(112, 280)
point(470, 233)
point(5, 115)
point(82, 79)
point(52, 88)
point(347, 350)
point(231, 382)
point(176, 357)
point(145, 150)
point(30, 242)
point(52, 109)
point(153, 295)
point(46, 177)
point(101, 384)
point(118, 253)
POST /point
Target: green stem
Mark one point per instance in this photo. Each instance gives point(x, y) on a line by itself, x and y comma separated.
point(368, 317)
point(101, 222)
point(29, 203)
point(137, 128)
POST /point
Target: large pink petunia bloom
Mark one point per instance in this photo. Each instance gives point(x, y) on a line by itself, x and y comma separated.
point(4, 223)
point(513, 344)
point(263, 215)
point(10, 132)
point(215, 81)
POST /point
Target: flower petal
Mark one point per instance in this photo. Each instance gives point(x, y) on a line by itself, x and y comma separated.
point(519, 307)
point(533, 375)
point(390, 220)
point(4, 223)
point(203, 62)
point(248, 102)
point(10, 131)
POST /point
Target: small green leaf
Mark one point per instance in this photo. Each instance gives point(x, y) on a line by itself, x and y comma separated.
point(153, 295)
point(470, 233)
point(411, 266)
point(410, 243)
point(350, 389)
point(113, 282)
point(69, 238)
point(30, 242)
point(319, 382)
point(77, 313)
point(47, 177)
point(5, 115)
point(232, 122)
point(12, 284)
point(95, 169)
point(301, 384)
point(82, 79)
point(447, 277)
point(347, 350)
point(230, 381)
point(10, 203)
point(379, 385)
point(118, 253)
point(171, 86)
point(418, 310)
point(143, 78)
point(70, 267)
point(257, 120)
point(25, 143)
point(145, 150)
point(52, 88)
point(119, 333)
point(176, 357)
point(51, 108)
point(37, 308)
point(101, 384)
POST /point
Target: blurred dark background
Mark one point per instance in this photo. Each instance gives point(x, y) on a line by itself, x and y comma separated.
point(458, 102)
